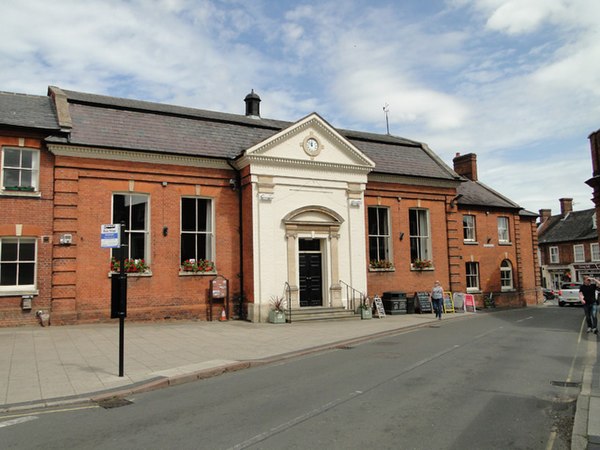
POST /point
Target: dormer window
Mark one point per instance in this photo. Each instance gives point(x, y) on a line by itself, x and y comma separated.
point(594, 221)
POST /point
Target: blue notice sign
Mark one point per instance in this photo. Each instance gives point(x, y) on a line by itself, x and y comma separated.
point(110, 236)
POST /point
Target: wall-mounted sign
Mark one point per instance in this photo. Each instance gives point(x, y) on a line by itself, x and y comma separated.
point(110, 235)
point(219, 287)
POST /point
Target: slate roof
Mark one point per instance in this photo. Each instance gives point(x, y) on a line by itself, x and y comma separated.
point(112, 122)
point(475, 193)
point(575, 226)
point(27, 111)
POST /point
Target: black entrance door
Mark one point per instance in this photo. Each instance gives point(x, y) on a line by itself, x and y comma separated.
point(311, 279)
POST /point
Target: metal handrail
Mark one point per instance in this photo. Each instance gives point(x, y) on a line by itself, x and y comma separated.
point(288, 291)
point(352, 299)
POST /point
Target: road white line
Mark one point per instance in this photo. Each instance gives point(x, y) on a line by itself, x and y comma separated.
point(12, 422)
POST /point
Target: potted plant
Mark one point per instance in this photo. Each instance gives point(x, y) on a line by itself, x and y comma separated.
point(421, 264)
point(131, 265)
point(383, 264)
point(197, 265)
point(277, 312)
point(366, 310)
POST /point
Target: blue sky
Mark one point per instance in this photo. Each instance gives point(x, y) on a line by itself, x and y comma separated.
point(515, 81)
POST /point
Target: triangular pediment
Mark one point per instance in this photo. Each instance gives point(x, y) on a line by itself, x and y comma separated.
point(310, 140)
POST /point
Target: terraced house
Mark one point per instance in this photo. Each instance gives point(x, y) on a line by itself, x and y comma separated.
point(300, 210)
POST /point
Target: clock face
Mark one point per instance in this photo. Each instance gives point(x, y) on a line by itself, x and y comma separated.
point(311, 146)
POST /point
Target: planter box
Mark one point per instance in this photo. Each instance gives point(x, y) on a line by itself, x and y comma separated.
point(366, 313)
point(276, 316)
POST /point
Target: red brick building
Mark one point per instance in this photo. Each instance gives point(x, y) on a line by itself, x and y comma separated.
point(299, 209)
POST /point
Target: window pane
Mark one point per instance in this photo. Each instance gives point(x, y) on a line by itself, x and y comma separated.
point(26, 273)
point(203, 211)
point(8, 274)
point(26, 178)
point(26, 159)
point(11, 177)
point(12, 157)
point(120, 212)
point(137, 245)
point(201, 249)
point(413, 225)
point(372, 221)
point(188, 214)
point(8, 252)
point(188, 246)
point(138, 212)
point(383, 222)
point(26, 251)
point(373, 249)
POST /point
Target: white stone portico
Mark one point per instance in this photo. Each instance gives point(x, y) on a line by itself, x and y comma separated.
point(308, 216)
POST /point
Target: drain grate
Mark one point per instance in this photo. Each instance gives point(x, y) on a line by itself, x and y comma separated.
point(344, 347)
point(565, 383)
point(114, 402)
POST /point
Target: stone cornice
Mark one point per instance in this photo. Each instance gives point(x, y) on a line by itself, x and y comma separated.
point(136, 156)
point(299, 164)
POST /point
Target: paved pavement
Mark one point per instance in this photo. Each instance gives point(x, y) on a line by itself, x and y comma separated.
point(52, 366)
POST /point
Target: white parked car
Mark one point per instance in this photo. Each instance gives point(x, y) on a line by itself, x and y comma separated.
point(569, 294)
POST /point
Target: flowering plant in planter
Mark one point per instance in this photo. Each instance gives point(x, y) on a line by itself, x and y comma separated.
point(198, 265)
point(131, 265)
point(422, 264)
point(381, 264)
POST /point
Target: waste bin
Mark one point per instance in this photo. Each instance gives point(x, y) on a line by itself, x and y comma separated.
point(394, 302)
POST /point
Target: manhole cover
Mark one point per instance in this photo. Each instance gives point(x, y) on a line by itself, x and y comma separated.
point(565, 383)
point(114, 402)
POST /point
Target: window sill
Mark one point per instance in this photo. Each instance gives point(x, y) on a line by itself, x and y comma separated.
point(470, 242)
point(19, 293)
point(381, 269)
point(131, 274)
point(28, 194)
point(424, 269)
point(504, 243)
point(183, 273)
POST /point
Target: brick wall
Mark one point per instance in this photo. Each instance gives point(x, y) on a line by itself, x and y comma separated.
point(34, 214)
point(81, 282)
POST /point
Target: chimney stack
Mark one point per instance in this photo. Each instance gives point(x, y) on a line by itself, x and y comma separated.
point(466, 165)
point(252, 105)
point(566, 206)
point(545, 214)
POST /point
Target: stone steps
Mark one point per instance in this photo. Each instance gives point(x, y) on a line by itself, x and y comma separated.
point(322, 313)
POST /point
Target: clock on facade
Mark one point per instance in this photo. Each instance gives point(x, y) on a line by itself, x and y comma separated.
point(311, 146)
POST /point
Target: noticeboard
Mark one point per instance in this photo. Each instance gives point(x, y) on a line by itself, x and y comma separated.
point(379, 306)
point(110, 235)
point(448, 303)
point(422, 302)
point(470, 303)
point(459, 301)
point(218, 287)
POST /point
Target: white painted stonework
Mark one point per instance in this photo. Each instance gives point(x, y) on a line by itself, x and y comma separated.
point(305, 194)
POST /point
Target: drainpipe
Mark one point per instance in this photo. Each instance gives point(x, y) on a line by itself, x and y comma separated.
point(238, 186)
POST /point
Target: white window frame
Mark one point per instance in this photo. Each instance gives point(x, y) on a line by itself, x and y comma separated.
point(595, 251)
point(578, 253)
point(503, 230)
point(20, 289)
point(209, 233)
point(469, 230)
point(21, 188)
point(129, 233)
point(554, 255)
point(379, 235)
point(420, 234)
point(506, 276)
point(472, 276)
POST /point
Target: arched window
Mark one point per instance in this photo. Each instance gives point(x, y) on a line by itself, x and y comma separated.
point(506, 275)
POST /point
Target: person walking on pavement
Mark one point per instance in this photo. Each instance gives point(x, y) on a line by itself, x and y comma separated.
point(437, 295)
point(587, 295)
